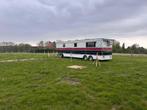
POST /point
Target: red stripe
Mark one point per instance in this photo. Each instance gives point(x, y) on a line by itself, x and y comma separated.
point(84, 49)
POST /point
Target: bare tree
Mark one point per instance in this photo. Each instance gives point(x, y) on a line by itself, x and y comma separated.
point(41, 44)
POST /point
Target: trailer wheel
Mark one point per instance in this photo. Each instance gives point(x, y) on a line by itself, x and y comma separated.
point(85, 57)
point(90, 58)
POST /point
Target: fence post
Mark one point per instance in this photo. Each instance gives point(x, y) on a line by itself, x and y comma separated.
point(71, 56)
point(48, 54)
point(97, 60)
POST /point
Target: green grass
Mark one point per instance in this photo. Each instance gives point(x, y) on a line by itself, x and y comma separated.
point(14, 56)
point(120, 84)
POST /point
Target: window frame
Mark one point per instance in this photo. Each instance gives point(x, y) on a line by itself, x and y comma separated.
point(93, 44)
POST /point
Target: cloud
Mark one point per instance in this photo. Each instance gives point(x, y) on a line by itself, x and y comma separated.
point(34, 20)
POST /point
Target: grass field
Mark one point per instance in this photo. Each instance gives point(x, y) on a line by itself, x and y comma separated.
point(120, 84)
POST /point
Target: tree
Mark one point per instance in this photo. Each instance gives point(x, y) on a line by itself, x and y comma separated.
point(134, 48)
point(116, 47)
point(123, 48)
point(41, 44)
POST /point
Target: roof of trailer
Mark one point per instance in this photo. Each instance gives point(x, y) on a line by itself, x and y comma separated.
point(84, 40)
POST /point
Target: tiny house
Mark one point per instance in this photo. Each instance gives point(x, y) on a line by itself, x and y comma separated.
point(87, 49)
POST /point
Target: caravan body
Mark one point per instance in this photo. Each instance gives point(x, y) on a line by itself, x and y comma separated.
point(87, 48)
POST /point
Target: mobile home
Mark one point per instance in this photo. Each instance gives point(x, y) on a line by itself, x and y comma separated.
point(88, 49)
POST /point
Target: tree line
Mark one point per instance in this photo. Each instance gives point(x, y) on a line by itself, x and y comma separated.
point(16, 48)
point(133, 49)
point(42, 47)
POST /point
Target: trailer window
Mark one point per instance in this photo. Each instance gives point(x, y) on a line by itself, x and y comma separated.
point(90, 44)
point(75, 44)
point(63, 45)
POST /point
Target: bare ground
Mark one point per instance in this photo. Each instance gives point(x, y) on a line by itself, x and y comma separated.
point(76, 67)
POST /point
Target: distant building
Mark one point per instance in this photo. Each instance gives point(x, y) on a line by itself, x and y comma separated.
point(50, 45)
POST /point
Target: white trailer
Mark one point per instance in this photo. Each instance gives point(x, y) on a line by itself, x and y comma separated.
point(88, 49)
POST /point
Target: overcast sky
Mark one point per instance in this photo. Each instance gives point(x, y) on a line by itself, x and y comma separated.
point(35, 20)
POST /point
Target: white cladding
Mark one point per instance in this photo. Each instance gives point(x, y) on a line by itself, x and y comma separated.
point(100, 43)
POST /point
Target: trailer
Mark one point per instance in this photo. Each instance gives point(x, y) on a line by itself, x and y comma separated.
point(87, 49)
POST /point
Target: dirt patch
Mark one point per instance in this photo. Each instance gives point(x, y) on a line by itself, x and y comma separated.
point(70, 81)
point(116, 107)
point(76, 67)
point(113, 108)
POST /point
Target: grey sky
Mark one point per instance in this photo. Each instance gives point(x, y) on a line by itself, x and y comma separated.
point(35, 20)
